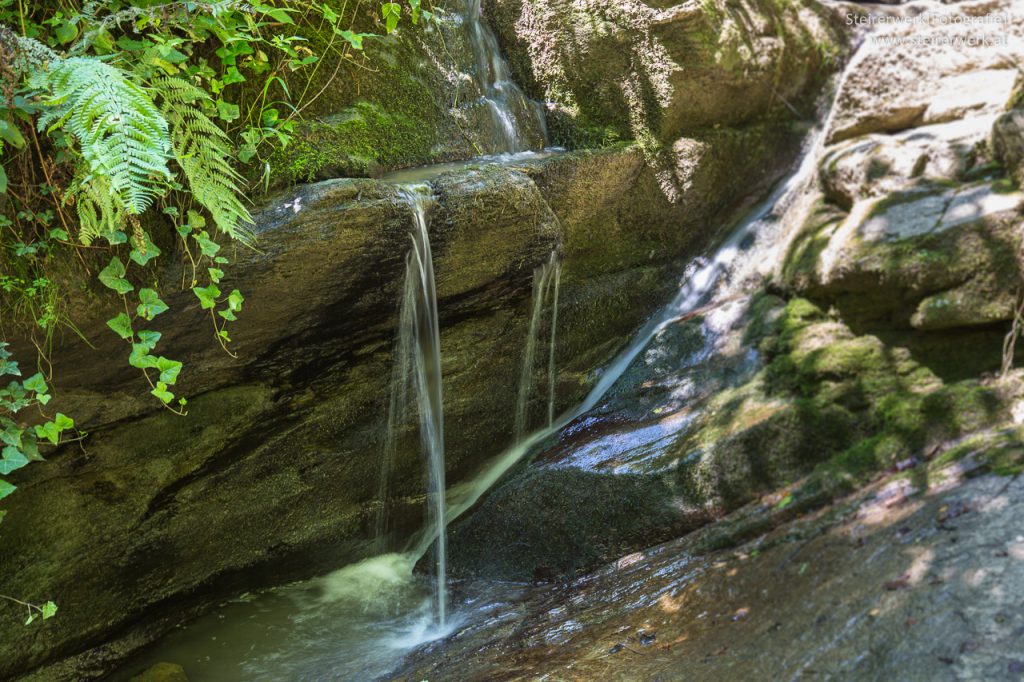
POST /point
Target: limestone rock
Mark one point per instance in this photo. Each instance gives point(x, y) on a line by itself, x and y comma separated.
point(933, 257)
point(636, 65)
point(875, 165)
point(909, 75)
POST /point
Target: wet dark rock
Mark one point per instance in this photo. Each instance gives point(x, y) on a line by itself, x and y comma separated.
point(162, 672)
point(805, 583)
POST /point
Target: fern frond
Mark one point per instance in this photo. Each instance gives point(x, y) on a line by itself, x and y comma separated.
point(98, 214)
point(203, 151)
point(122, 134)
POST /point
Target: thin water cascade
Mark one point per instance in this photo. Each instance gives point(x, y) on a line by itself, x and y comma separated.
point(417, 372)
point(543, 275)
point(358, 622)
point(398, 404)
point(557, 276)
point(510, 109)
point(723, 276)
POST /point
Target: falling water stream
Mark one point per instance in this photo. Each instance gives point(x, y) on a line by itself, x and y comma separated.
point(360, 621)
point(420, 295)
point(545, 277)
point(512, 111)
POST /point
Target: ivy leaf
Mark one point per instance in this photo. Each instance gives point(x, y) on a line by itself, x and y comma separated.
point(226, 111)
point(66, 32)
point(3, 179)
point(121, 325)
point(162, 393)
point(392, 12)
point(149, 338)
point(215, 275)
point(140, 356)
point(207, 295)
point(148, 252)
point(6, 488)
point(30, 448)
point(13, 459)
point(11, 435)
point(354, 39)
point(52, 430)
point(227, 314)
point(36, 383)
point(415, 6)
point(150, 304)
point(49, 610)
point(169, 370)
point(112, 276)
point(235, 300)
point(9, 367)
point(206, 245)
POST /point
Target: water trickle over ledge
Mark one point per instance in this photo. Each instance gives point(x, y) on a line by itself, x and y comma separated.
point(283, 484)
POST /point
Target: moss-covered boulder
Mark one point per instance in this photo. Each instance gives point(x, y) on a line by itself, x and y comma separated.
point(410, 98)
point(933, 257)
point(649, 70)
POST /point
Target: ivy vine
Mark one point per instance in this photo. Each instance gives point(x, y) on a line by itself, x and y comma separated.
point(127, 128)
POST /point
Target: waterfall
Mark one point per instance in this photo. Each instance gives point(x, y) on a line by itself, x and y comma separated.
point(753, 244)
point(551, 343)
point(398, 403)
point(510, 109)
point(542, 275)
point(417, 371)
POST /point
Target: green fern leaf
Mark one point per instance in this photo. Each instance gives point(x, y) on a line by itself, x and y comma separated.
point(203, 151)
point(123, 137)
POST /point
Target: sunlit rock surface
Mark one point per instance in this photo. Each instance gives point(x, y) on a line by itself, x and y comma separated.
point(915, 578)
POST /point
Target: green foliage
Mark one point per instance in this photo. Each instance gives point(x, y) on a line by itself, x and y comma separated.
point(124, 124)
point(122, 136)
point(203, 151)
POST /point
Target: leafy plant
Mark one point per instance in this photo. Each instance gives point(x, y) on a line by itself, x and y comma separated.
point(124, 129)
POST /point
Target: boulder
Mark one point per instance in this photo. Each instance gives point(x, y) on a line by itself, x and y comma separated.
point(642, 68)
point(931, 257)
point(877, 164)
point(909, 75)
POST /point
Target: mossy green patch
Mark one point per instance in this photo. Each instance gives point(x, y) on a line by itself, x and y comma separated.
point(363, 140)
point(849, 405)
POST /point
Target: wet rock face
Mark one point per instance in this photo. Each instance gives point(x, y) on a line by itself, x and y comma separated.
point(418, 99)
point(899, 271)
point(914, 579)
point(275, 473)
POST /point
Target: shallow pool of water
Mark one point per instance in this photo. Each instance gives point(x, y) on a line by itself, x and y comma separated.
point(354, 624)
